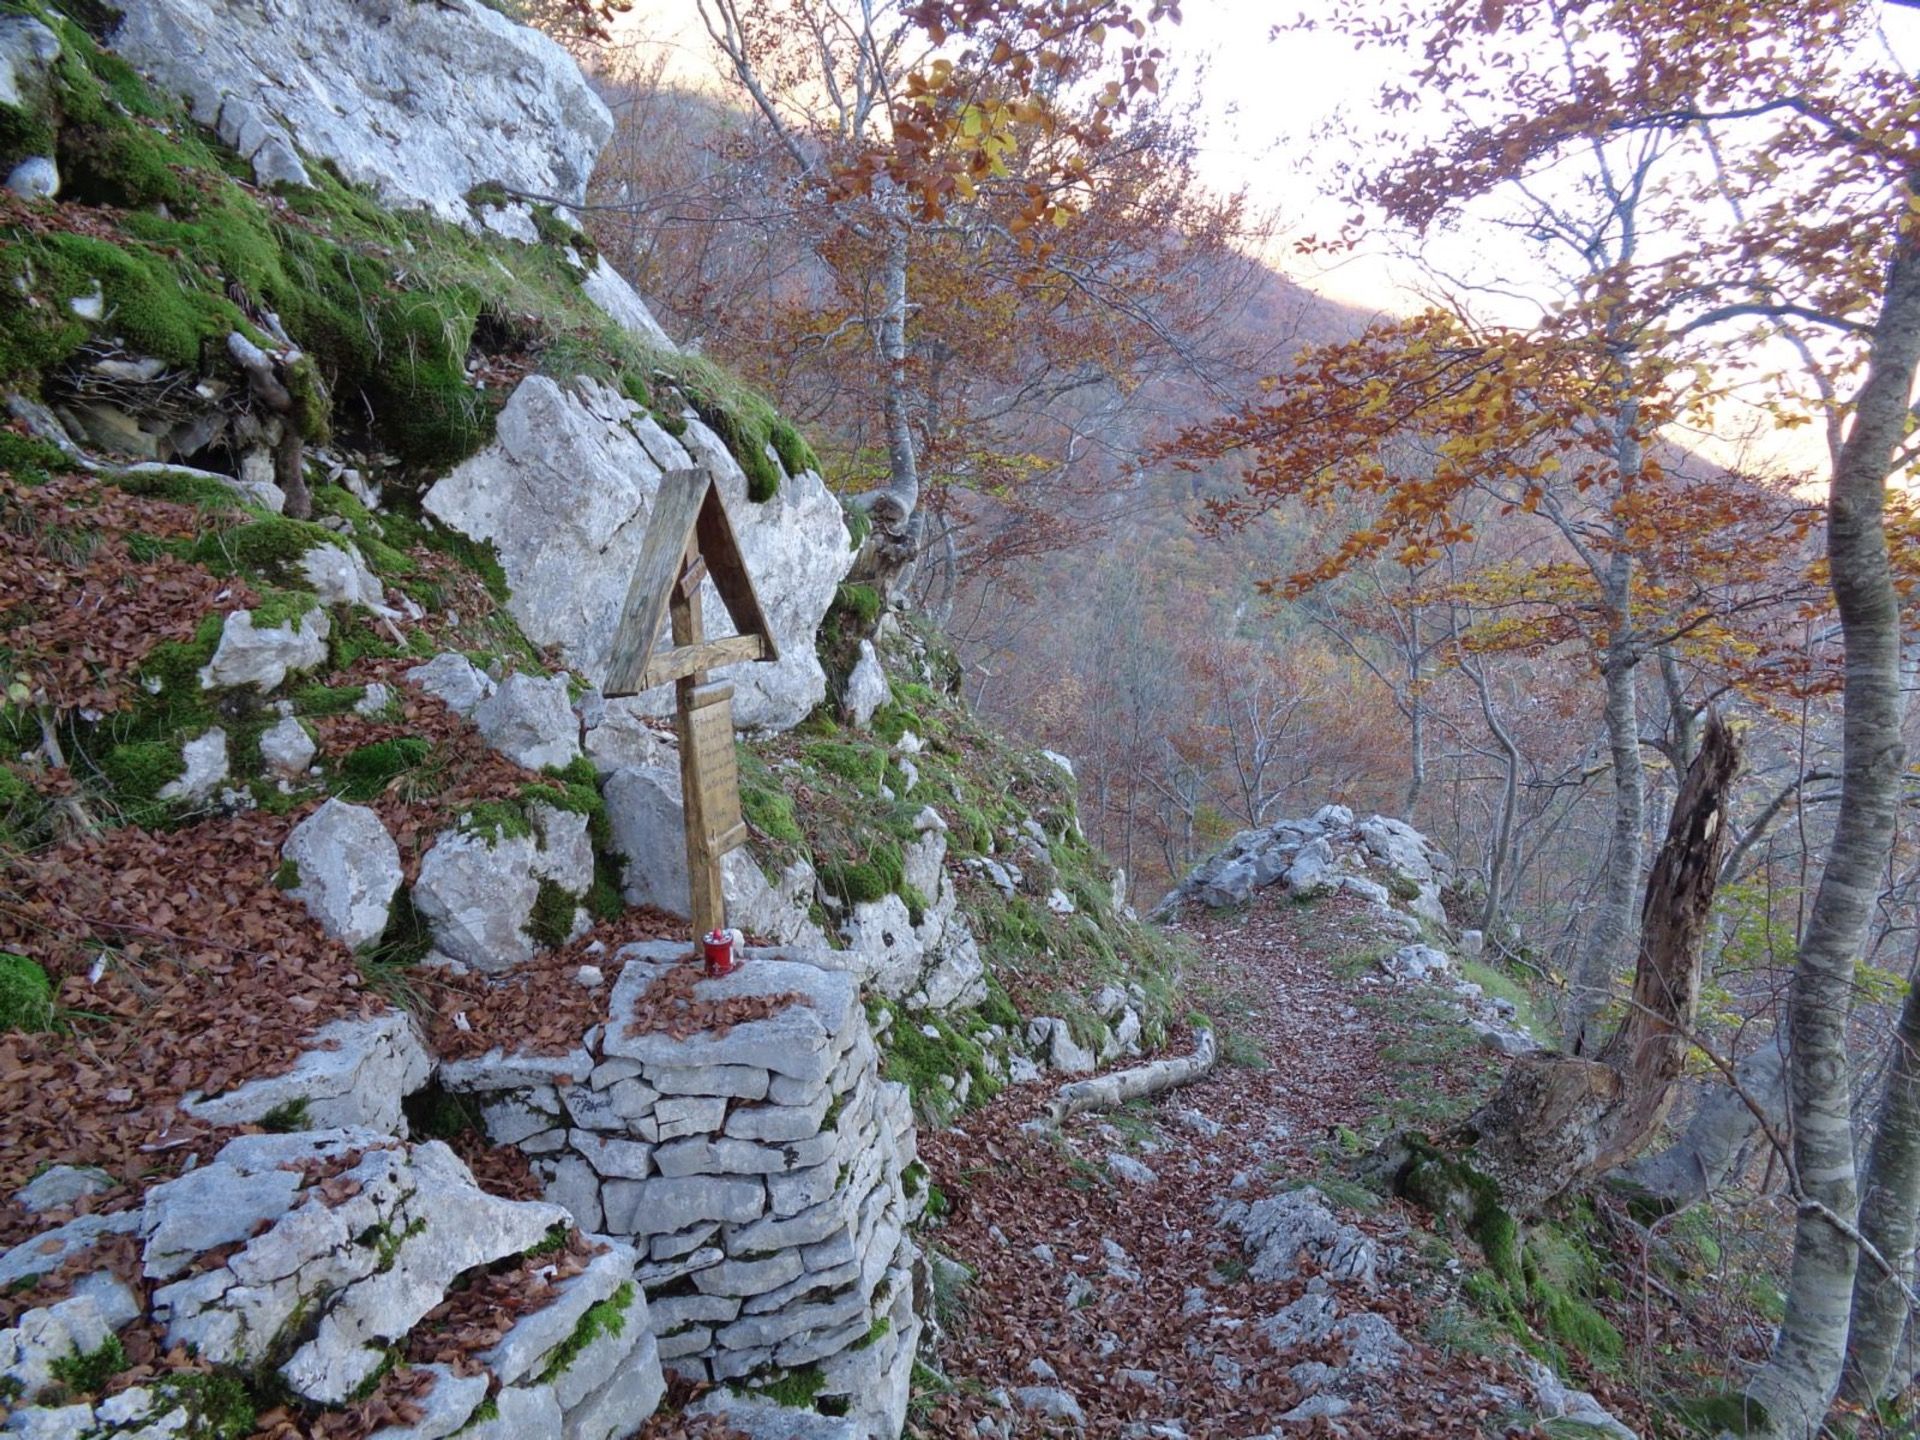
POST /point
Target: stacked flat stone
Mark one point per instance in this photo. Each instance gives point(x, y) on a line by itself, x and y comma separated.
point(760, 1171)
point(245, 1253)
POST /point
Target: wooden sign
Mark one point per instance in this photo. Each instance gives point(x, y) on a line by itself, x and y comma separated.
point(690, 539)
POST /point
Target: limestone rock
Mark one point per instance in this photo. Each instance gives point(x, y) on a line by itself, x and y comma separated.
point(530, 720)
point(755, 1419)
point(1417, 963)
point(564, 493)
point(476, 893)
point(356, 1074)
point(645, 813)
point(34, 178)
point(206, 760)
point(608, 288)
point(60, 1185)
point(264, 658)
point(452, 679)
point(797, 1040)
point(27, 52)
point(348, 869)
point(420, 102)
point(339, 575)
point(1278, 1228)
point(370, 1266)
point(446, 1407)
point(867, 688)
point(286, 748)
point(49, 1250)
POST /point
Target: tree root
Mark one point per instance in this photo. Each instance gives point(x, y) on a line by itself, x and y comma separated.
point(1109, 1092)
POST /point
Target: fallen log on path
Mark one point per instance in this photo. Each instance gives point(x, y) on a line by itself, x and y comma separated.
point(1109, 1092)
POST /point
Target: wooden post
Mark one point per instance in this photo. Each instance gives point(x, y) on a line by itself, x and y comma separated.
point(690, 540)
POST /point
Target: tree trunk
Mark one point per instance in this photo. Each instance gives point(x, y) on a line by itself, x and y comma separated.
point(1798, 1382)
point(1889, 1199)
point(1559, 1120)
point(1719, 1136)
point(1611, 938)
point(886, 560)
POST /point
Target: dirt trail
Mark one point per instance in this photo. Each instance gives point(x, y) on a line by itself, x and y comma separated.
point(1157, 1337)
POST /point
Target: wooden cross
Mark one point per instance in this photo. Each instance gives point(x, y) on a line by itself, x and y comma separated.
point(689, 540)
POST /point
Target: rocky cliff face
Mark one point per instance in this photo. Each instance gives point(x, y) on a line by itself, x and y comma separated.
point(358, 1060)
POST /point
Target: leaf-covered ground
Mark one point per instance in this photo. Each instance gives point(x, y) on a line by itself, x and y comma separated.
point(1315, 1050)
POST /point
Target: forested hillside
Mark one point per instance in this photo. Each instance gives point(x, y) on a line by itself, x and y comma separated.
point(1295, 868)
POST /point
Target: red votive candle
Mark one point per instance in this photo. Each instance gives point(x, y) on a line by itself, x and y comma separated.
point(718, 947)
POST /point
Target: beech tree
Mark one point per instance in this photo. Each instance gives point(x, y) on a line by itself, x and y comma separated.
point(1795, 224)
point(983, 219)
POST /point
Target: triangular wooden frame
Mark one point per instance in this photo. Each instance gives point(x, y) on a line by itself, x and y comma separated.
point(689, 525)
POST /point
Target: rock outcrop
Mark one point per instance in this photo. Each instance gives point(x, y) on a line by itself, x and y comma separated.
point(1396, 869)
point(317, 1255)
point(563, 494)
point(423, 103)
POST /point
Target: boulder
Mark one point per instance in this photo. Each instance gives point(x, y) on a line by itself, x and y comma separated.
point(368, 1265)
point(453, 680)
point(27, 52)
point(564, 493)
point(339, 575)
point(645, 814)
point(34, 178)
point(477, 892)
point(263, 658)
point(287, 749)
point(420, 102)
point(1279, 1228)
point(206, 761)
point(1313, 871)
point(1417, 963)
point(59, 1186)
point(866, 689)
point(347, 870)
point(608, 288)
point(354, 1075)
point(530, 720)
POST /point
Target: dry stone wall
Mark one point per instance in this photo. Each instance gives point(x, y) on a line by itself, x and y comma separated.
point(761, 1170)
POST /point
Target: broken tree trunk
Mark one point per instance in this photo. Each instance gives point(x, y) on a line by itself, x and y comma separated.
point(1110, 1092)
point(1558, 1121)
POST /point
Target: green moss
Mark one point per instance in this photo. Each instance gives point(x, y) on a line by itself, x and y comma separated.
point(1727, 1413)
point(771, 813)
point(929, 1065)
point(26, 994)
point(794, 452)
point(856, 605)
point(87, 1373)
point(552, 919)
point(328, 699)
point(497, 820)
point(367, 772)
point(269, 547)
point(604, 900)
point(862, 765)
point(608, 1317)
point(879, 873)
point(218, 1406)
point(743, 427)
point(138, 772)
point(552, 1243)
point(32, 462)
point(796, 1389)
